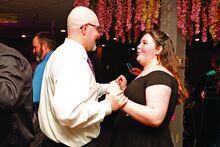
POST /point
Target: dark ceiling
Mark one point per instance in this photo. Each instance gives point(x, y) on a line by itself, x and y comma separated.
point(27, 17)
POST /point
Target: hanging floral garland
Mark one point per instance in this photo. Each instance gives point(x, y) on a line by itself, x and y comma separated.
point(190, 30)
point(156, 13)
point(109, 18)
point(205, 24)
point(76, 3)
point(190, 17)
point(144, 16)
point(85, 3)
point(214, 18)
point(150, 9)
point(137, 19)
point(218, 26)
point(101, 14)
point(197, 18)
point(128, 19)
point(182, 13)
point(120, 20)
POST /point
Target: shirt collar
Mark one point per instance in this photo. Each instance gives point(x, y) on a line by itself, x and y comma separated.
point(77, 47)
point(48, 54)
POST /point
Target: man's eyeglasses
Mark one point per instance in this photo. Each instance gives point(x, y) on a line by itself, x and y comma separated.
point(96, 27)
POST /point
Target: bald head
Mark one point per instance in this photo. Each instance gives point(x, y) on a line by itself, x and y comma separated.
point(81, 15)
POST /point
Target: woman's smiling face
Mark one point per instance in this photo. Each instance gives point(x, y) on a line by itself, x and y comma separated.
point(146, 50)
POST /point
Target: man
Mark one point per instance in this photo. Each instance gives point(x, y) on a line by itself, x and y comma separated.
point(15, 99)
point(69, 111)
point(43, 44)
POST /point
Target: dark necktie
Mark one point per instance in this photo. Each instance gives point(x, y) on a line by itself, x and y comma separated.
point(91, 66)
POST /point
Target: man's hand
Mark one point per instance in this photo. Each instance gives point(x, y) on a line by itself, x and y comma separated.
point(117, 99)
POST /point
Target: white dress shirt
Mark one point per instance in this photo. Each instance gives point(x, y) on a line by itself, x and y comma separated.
point(69, 111)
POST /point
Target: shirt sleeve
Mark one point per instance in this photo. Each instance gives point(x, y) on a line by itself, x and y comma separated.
point(101, 89)
point(12, 80)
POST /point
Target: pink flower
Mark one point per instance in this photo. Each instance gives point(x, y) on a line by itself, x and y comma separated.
point(205, 24)
point(214, 19)
point(120, 20)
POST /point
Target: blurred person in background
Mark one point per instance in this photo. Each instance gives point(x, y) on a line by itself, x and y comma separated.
point(43, 44)
point(16, 105)
point(207, 99)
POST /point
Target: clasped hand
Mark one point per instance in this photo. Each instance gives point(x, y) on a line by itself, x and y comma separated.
point(115, 96)
point(122, 82)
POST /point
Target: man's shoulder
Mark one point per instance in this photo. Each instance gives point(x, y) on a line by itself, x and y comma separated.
point(14, 61)
point(10, 53)
point(6, 50)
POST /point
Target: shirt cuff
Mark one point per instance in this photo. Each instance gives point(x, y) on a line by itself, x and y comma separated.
point(105, 87)
point(106, 106)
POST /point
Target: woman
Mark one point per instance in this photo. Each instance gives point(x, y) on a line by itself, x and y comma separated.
point(143, 121)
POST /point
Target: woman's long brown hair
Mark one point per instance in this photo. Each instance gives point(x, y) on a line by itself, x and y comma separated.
point(168, 59)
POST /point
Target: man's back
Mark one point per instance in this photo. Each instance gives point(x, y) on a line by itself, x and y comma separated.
point(15, 99)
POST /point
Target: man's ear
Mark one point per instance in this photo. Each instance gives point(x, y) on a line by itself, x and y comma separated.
point(44, 46)
point(83, 29)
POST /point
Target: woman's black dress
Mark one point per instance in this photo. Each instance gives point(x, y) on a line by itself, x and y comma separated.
point(130, 133)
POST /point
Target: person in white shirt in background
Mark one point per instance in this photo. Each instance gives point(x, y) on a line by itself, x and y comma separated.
point(69, 111)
